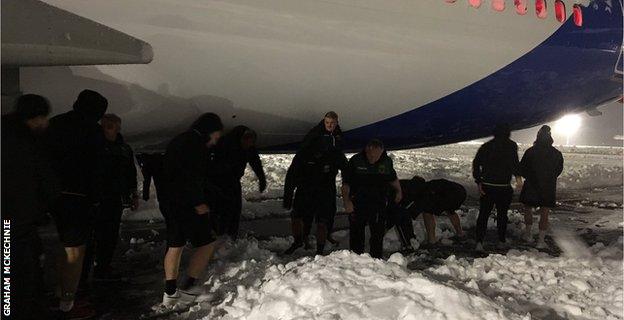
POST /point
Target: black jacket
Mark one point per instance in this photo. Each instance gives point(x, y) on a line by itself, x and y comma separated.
point(233, 159)
point(186, 165)
point(313, 174)
point(75, 140)
point(369, 183)
point(540, 166)
point(435, 196)
point(120, 176)
point(29, 184)
point(318, 139)
point(495, 162)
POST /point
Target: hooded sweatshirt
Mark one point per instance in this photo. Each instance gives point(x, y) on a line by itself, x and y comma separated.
point(74, 140)
point(186, 165)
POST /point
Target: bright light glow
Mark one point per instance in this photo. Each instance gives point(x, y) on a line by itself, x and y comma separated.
point(568, 126)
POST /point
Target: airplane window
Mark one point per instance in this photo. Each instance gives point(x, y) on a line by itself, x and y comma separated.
point(578, 15)
point(540, 9)
point(560, 11)
point(521, 6)
point(498, 5)
point(475, 3)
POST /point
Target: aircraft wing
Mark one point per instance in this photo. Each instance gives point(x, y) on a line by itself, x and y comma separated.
point(37, 34)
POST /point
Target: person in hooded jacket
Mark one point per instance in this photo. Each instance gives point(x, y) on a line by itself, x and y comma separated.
point(327, 138)
point(75, 140)
point(541, 164)
point(495, 163)
point(28, 188)
point(187, 204)
point(234, 151)
point(313, 175)
point(369, 185)
point(119, 189)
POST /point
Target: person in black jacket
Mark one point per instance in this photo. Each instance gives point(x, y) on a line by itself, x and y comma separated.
point(234, 151)
point(187, 204)
point(75, 142)
point(313, 175)
point(28, 187)
point(496, 161)
point(540, 166)
point(369, 185)
point(151, 165)
point(433, 198)
point(325, 136)
point(118, 189)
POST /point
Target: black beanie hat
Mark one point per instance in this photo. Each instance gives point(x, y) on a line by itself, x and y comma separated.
point(91, 104)
point(30, 106)
point(502, 131)
point(544, 136)
point(207, 123)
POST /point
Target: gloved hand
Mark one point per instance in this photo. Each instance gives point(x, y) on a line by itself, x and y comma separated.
point(262, 184)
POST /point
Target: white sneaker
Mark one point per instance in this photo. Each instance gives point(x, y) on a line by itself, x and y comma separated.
point(170, 300)
point(479, 247)
point(189, 295)
point(541, 244)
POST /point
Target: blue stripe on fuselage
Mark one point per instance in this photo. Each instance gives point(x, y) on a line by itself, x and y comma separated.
point(570, 71)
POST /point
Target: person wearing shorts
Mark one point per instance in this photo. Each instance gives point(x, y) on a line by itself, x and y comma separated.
point(75, 140)
point(187, 205)
point(541, 165)
point(312, 174)
point(434, 198)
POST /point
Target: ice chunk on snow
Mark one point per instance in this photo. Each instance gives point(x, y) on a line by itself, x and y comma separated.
point(398, 259)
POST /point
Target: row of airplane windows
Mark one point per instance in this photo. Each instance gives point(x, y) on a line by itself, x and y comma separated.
point(541, 9)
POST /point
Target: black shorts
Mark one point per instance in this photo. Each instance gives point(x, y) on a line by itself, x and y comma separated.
point(184, 225)
point(73, 215)
point(315, 207)
point(448, 203)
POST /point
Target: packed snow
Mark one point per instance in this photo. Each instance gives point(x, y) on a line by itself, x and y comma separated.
point(250, 279)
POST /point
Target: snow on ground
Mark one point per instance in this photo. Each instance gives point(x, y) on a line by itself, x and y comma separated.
point(251, 281)
point(347, 286)
point(588, 287)
point(585, 168)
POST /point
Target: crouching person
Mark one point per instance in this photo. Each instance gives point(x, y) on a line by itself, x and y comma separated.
point(366, 188)
point(186, 206)
point(433, 198)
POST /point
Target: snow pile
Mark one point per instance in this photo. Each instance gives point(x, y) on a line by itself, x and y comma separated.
point(577, 286)
point(342, 285)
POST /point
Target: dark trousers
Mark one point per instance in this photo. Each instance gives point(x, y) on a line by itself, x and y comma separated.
point(237, 207)
point(494, 196)
point(27, 298)
point(400, 218)
point(229, 209)
point(103, 241)
point(376, 221)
